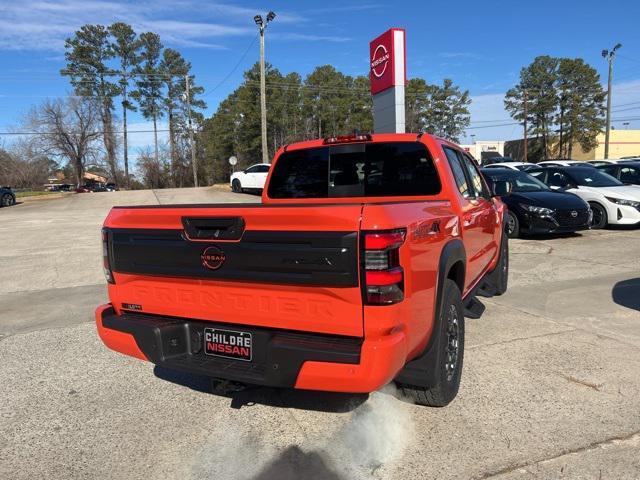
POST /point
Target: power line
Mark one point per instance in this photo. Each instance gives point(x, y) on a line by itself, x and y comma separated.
point(83, 133)
point(234, 68)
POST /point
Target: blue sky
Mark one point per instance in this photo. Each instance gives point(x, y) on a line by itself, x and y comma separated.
point(480, 45)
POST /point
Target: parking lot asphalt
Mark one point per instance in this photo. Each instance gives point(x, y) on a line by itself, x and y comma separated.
point(550, 386)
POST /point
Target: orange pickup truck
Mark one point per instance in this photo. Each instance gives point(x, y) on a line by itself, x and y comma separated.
point(357, 269)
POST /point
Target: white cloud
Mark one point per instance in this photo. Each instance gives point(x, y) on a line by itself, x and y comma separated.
point(44, 25)
point(487, 110)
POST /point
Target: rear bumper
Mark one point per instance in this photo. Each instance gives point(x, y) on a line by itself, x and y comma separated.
point(281, 358)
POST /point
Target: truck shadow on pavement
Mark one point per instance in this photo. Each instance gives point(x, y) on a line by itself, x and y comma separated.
point(627, 293)
point(274, 397)
point(293, 463)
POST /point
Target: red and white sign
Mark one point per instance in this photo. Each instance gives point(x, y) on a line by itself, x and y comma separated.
point(387, 60)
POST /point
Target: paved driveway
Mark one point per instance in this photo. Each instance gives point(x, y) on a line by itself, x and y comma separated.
point(550, 388)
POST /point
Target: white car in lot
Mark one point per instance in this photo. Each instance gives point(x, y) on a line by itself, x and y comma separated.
point(253, 178)
point(513, 165)
point(564, 163)
point(612, 202)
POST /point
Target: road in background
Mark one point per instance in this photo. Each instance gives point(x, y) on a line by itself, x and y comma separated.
point(550, 386)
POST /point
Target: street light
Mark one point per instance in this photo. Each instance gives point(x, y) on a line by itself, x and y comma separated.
point(262, 25)
point(609, 56)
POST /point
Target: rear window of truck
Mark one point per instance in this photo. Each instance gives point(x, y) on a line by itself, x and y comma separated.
point(382, 169)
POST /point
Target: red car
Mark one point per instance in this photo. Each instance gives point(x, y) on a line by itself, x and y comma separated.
point(357, 269)
point(83, 189)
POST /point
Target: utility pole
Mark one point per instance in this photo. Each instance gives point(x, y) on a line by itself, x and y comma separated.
point(609, 56)
point(262, 25)
point(191, 142)
point(526, 114)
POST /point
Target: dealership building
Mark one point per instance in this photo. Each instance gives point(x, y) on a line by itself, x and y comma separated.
point(484, 149)
point(622, 143)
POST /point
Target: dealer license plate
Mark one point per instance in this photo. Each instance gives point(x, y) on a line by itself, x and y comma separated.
point(228, 344)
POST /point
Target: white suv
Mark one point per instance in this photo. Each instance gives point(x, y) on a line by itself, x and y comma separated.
point(253, 178)
point(612, 201)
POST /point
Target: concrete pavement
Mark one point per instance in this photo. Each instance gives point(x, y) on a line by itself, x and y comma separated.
point(550, 387)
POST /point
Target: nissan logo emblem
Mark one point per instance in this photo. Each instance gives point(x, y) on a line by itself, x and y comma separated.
point(379, 61)
point(574, 214)
point(213, 258)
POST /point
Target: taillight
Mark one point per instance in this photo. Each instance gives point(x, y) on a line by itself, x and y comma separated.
point(106, 263)
point(383, 276)
point(356, 137)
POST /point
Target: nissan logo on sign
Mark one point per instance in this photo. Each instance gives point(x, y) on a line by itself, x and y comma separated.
point(380, 61)
point(387, 60)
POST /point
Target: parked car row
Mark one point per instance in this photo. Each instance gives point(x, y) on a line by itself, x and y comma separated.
point(97, 187)
point(550, 199)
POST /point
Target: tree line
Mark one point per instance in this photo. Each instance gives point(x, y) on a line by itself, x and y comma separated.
point(324, 103)
point(111, 63)
point(112, 70)
point(562, 102)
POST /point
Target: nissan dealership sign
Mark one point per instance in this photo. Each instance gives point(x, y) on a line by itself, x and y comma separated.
point(387, 60)
point(388, 75)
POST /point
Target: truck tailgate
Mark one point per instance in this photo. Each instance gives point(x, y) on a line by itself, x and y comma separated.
point(289, 267)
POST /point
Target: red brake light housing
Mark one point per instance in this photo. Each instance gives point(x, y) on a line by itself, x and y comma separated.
point(383, 275)
point(106, 259)
point(358, 137)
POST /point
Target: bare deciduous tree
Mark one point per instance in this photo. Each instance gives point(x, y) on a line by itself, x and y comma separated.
point(23, 166)
point(68, 129)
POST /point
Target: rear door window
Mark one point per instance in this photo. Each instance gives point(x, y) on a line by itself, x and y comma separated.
point(356, 170)
point(479, 187)
point(539, 174)
point(630, 175)
point(559, 179)
point(458, 172)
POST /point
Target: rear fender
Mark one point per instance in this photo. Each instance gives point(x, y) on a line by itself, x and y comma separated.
point(421, 371)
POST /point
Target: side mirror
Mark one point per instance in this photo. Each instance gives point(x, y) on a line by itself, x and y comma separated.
point(501, 187)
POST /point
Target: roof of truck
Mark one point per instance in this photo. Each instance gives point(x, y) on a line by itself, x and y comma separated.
point(373, 137)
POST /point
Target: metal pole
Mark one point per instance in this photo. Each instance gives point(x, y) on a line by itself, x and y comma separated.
point(263, 99)
point(191, 143)
point(526, 141)
point(606, 135)
point(609, 56)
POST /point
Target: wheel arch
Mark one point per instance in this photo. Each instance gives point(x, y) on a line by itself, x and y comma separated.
point(421, 371)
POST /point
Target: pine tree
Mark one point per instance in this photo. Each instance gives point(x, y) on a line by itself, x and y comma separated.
point(125, 47)
point(87, 54)
point(580, 106)
point(444, 109)
point(149, 83)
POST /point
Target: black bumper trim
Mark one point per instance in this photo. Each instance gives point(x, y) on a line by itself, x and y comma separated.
point(278, 355)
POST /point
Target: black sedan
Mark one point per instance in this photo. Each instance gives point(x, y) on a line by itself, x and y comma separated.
point(626, 172)
point(533, 208)
point(7, 197)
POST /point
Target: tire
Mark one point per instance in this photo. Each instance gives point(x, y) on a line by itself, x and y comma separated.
point(513, 225)
point(7, 200)
point(236, 186)
point(450, 353)
point(600, 217)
